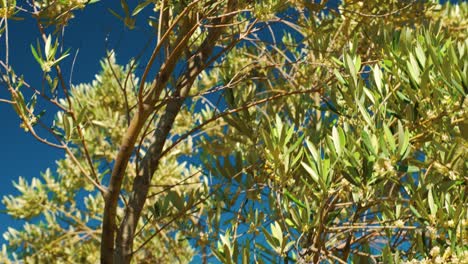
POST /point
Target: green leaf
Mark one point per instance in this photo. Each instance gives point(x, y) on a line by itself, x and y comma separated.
point(67, 126)
point(295, 217)
point(60, 59)
point(289, 135)
point(20, 105)
point(124, 5)
point(413, 69)
point(294, 146)
point(377, 73)
point(403, 140)
point(270, 240)
point(176, 200)
point(432, 205)
point(350, 179)
point(36, 56)
point(246, 253)
point(115, 14)
point(227, 253)
point(277, 232)
point(425, 80)
point(364, 113)
point(350, 65)
point(53, 85)
point(288, 246)
point(367, 142)
point(311, 172)
point(337, 61)
point(357, 64)
point(387, 255)
point(369, 95)
point(420, 55)
point(339, 77)
point(389, 138)
point(140, 7)
point(47, 47)
point(315, 155)
point(339, 140)
point(293, 198)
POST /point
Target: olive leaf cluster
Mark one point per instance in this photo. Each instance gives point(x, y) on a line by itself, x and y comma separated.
point(273, 131)
point(361, 156)
point(67, 207)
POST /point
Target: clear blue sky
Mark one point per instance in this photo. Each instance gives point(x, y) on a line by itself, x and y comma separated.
point(20, 153)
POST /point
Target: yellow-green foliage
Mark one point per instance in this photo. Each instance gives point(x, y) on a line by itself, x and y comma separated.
point(334, 136)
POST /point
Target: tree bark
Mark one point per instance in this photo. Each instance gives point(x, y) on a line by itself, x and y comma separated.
point(196, 64)
point(109, 225)
point(112, 194)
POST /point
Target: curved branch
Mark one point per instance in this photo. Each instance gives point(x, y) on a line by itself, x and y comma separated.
point(145, 110)
point(196, 64)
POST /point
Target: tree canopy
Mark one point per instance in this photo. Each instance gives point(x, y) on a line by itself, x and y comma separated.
point(248, 132)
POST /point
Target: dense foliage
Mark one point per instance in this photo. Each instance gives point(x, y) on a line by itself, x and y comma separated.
point(273, 131)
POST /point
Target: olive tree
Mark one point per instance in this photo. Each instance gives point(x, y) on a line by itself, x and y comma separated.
point(271, 131)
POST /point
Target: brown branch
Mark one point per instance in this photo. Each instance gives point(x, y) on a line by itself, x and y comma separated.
point(196, 64)
point(159, 45)
point(112, 195)
point(6, 101)
point(45, 141)
point(145, 109)
point(7, 47)
point(43, 95)
point(70, 105)
point(27, 123)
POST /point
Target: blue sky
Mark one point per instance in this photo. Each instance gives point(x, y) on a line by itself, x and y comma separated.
point(20, 153)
